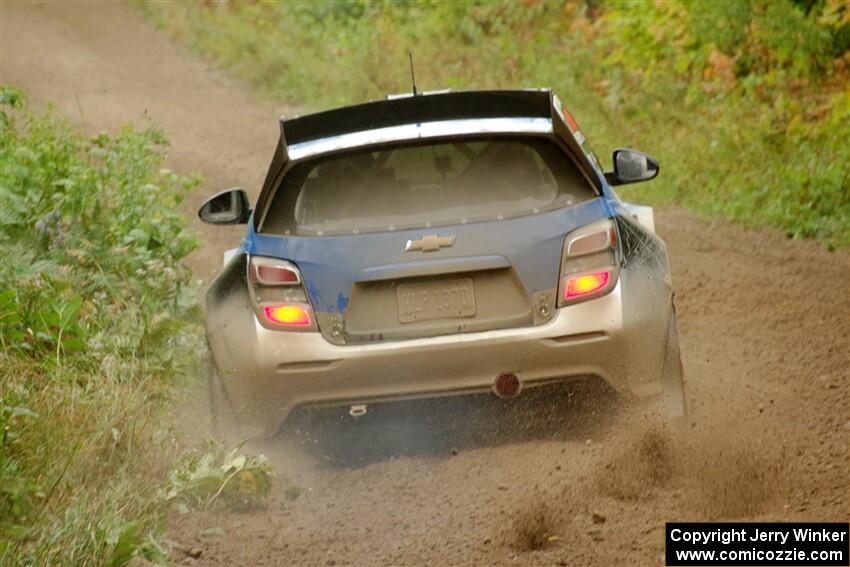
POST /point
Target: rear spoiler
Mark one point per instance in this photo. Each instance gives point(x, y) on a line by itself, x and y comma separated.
point(418, 109)
point(439, 106)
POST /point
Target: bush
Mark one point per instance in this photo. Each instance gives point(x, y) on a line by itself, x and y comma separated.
point(93, 241)
point(202, 480)
point(97, 323)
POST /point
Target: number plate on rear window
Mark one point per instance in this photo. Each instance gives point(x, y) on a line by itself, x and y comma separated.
point(444, 299)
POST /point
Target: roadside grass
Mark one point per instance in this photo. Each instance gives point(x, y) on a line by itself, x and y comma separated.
point(99, 326)
point(746, 104)
point(81, 467)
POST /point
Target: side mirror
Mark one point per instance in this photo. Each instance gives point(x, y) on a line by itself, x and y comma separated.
point(631, 166)
point(228, 207)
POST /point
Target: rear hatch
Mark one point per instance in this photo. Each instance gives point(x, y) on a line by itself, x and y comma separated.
point(425, 239)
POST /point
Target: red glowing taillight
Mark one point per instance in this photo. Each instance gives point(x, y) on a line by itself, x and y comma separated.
point(590, 262)
point(288, 315)
point(586, 285)
point(278, 295)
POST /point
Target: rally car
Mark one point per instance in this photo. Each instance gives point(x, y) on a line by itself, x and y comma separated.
point(438, 244)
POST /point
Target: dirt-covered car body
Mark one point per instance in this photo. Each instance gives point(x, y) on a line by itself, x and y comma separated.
point(432, 245)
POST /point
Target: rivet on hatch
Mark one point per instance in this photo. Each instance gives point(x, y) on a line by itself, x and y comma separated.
point(544, 309)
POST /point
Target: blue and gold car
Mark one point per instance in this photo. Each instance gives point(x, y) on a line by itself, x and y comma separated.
point(438, 244)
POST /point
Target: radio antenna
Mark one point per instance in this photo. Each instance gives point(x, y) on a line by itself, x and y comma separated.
point(412, 75)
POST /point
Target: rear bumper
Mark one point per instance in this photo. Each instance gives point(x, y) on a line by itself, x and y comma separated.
point(269, 373)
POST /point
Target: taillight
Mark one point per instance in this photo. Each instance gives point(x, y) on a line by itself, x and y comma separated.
point(589, 264)
point(584, 285)
point(288, 315)
point(278, 295)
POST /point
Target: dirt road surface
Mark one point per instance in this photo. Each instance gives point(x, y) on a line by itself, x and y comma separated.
point(764, 324)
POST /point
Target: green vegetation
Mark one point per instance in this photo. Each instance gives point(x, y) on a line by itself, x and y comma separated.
point(745, 103)
point(96, 318)
point(202, 480)
point(98, 324)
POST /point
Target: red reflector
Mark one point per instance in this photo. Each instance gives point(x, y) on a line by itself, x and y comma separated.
point(275, 275)
point(571, 122)
point(507, 385)
point(289, 315)
point(586, 284)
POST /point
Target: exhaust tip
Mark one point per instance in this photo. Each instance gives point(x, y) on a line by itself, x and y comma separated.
point(507, 385)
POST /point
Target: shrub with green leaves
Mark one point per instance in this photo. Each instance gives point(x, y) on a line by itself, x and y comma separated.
point(92, 238)
point(204, 479)
point(98, 322)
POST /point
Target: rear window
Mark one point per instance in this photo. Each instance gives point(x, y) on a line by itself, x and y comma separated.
point(424, 185)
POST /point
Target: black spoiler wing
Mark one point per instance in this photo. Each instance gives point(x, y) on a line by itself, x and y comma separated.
point(417, 109)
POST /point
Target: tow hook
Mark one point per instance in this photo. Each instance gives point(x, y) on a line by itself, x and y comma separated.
point(357, 411)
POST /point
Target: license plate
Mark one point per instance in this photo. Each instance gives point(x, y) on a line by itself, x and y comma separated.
point(444, 299)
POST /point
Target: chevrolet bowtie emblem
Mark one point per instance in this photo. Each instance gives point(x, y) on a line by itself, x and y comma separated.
point(429, 243)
